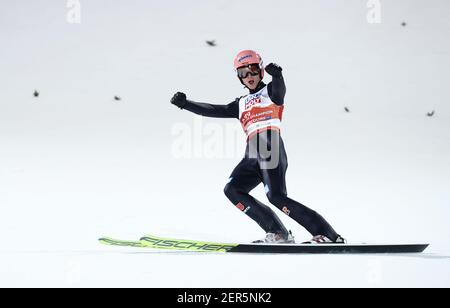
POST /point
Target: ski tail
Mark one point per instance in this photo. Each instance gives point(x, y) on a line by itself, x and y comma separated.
point(151, 241)
point(115, 242)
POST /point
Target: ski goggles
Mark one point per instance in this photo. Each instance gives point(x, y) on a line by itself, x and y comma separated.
point(252, 70)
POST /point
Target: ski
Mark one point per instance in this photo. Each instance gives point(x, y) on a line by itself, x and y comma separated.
point(168, 244)
point(155, 242)
point(329, 248)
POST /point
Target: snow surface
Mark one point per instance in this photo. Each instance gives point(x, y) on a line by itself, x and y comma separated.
point(75, 164)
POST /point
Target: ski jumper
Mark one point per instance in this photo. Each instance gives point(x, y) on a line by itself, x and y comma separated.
point(260, 113)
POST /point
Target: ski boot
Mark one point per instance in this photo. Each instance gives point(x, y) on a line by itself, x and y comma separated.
point(277, 238)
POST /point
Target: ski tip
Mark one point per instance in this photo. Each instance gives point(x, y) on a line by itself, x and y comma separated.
point(425, 246)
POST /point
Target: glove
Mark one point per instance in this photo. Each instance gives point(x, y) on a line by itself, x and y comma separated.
point(179, 100)
point(274, 70)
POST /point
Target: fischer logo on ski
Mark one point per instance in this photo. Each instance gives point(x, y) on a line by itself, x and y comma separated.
point(155, 242)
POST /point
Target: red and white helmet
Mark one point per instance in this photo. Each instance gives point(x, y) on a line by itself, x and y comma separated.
point(247, 57)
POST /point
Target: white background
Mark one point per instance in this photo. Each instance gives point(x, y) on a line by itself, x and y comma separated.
point(76, 165)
